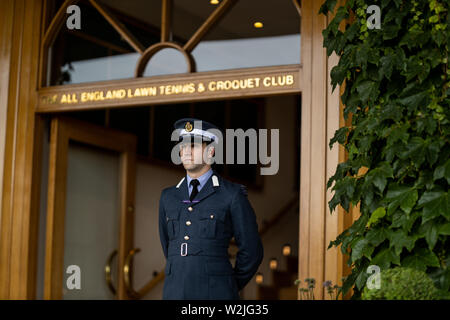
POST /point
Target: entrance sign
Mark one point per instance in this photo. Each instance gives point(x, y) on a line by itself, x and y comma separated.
point(172, 89)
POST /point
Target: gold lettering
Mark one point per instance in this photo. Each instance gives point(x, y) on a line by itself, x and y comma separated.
point(220, 85)
point(189, 88)
point(149, 91)
point(74, 98)
point(235, 84)
point(69, 98)
point(276, 81)
point(99, 95)
point(289, 79)
point(172, 89)
point(176, 89)
point(120, 94)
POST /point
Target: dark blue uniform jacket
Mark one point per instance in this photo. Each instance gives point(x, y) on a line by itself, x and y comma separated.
point(195, 237)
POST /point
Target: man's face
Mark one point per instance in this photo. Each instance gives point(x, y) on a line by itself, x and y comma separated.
point(192, 155)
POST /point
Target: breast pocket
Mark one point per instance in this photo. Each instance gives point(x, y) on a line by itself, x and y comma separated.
point(173, 223)
point(210, 222)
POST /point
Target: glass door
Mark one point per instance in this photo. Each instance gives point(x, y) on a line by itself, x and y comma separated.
point(90, 210)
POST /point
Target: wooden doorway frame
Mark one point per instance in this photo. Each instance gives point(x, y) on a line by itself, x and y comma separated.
point(64, 130)
point(20, 54)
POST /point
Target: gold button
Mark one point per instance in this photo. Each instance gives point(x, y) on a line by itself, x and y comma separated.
point(212, 216)
point(190, 208)
point(188, 223)
point(186, 237)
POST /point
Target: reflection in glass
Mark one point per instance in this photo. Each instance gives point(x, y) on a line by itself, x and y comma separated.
point(91, 220)
point(166, 61)
point(253, 33)
point(236, 43)
point(97, 51)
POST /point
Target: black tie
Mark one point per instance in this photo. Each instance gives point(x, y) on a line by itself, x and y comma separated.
point(194, 183)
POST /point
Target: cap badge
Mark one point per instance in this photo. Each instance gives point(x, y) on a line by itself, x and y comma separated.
point(188, 126)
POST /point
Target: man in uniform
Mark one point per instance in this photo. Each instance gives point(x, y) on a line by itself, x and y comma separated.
point(197, 219)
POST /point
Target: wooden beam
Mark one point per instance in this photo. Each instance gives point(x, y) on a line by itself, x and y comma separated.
point(18, 205)
point(166, 20)
point(50, 97)
point(336, 222)
point(313, 147)
point(119, 26)
point(56, 204)
point(210, 22)
point(297, 5)
point(55, 26)
point(6, 145)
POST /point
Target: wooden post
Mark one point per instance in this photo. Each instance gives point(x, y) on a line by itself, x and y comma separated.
point(19, 54)
point(321, 117)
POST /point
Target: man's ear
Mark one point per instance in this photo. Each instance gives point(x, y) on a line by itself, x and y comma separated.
point(211, 151)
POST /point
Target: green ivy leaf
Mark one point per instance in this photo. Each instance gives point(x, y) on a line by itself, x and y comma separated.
point(403, 220)
point(403, 196)
point(377, 236)
point(421, 259)
point(430, 231)
point(361, 279)
point(396, 99)
point(340, 136)
point(367, 89)
point(415, 150)
point(443, 171)
point(431, 236)
point(434, 203)
point(399, 240)
point(432, 152)
point(327, 6)
point(360, 248)
point(385, 258)
point(414, 100)
point(390, 31)
point(445, 229)
point(376, 215)
point(379, 175)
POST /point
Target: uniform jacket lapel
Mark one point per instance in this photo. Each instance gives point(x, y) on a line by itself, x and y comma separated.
point(207, 190)
point(183, 191)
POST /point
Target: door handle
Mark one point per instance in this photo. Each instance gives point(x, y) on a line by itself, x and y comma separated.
point(108, 277)
point(126, 274)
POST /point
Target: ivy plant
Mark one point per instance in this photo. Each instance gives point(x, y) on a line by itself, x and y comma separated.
point(397, 92)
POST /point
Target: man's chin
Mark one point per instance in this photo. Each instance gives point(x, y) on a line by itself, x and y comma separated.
point(192, 166)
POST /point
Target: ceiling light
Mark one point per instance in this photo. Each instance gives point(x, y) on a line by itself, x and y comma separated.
point(214, 2)
point(259, 278)
point(258, 24)
point(273, 263)
point(286, 250)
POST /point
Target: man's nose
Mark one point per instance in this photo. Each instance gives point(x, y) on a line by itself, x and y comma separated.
point(186, 150)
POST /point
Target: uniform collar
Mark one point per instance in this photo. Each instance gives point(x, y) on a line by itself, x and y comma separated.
point(202, 179)
point(209, 188)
